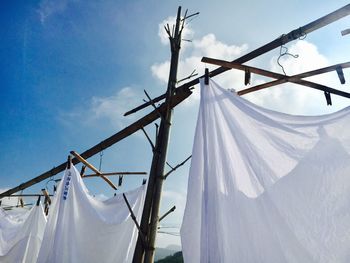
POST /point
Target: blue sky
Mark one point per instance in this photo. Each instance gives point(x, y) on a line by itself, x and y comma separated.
point(71, 68)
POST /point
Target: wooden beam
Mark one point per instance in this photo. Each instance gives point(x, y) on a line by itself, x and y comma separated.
point(115, 173)
point(26, 195)
point(132, 128)
point(284, 39)
point(93, 168)
point(282, 78)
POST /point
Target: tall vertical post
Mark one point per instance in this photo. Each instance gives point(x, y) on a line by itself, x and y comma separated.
point(150, 216)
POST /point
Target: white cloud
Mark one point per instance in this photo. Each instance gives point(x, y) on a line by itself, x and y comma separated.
point(107, 111)
point(101, 197)
point(48, 8)
point(206, 46)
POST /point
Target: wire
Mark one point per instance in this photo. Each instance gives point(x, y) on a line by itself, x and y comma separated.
point(284, 52)
point(169, 233)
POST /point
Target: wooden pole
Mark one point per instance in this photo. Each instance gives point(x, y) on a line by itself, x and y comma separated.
point(150, 215)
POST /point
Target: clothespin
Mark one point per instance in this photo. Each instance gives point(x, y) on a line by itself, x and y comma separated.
point(47, 201)
point(328, 98)
point(206, 76)
point(345, 32)
point(82, 171)
point(47, 196)
point(21, 202)
point(340, 75)
point(38, 201)
point(120, 180)
point(247, 77)
point(69, 162)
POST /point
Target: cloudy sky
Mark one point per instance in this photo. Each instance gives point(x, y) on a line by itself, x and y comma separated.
point(71, 68)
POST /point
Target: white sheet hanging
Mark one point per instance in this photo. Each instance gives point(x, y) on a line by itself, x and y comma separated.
point(81, 228)
point(21, 233)
point(266, 186)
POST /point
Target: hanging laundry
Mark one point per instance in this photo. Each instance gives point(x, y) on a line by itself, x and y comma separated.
point(21, 233)
point(81, 228)
point(266, 186)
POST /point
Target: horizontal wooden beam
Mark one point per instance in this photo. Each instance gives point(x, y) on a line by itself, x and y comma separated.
point(116, 173)
point(127, 131)
point(284, 39)
point(26, 195)
point(282, 78)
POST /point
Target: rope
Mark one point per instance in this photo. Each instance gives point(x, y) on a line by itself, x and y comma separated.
point(284, 52)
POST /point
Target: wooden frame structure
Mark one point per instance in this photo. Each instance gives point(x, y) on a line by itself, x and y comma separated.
point(297, 79)
point(144, 251)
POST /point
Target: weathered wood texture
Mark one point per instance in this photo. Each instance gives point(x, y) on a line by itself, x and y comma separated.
point(282, 78)
point(93, 168)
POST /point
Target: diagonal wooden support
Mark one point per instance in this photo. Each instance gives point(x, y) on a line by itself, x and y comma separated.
point(282, 78)
point(148, 139)
point(177, 166)
point(153, 104)
point(133, 217)
point(167, 213)
point(93, 168)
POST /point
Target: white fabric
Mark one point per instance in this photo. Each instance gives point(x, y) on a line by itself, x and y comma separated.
point(266, 186)
point(81, 228)
point(21, 233)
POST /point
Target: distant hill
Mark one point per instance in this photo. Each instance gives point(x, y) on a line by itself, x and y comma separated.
point(164, 252)
point(176, 258)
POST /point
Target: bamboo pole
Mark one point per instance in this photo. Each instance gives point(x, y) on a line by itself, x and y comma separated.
point(93, 168)
point(150, 214)
point(114, 173)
